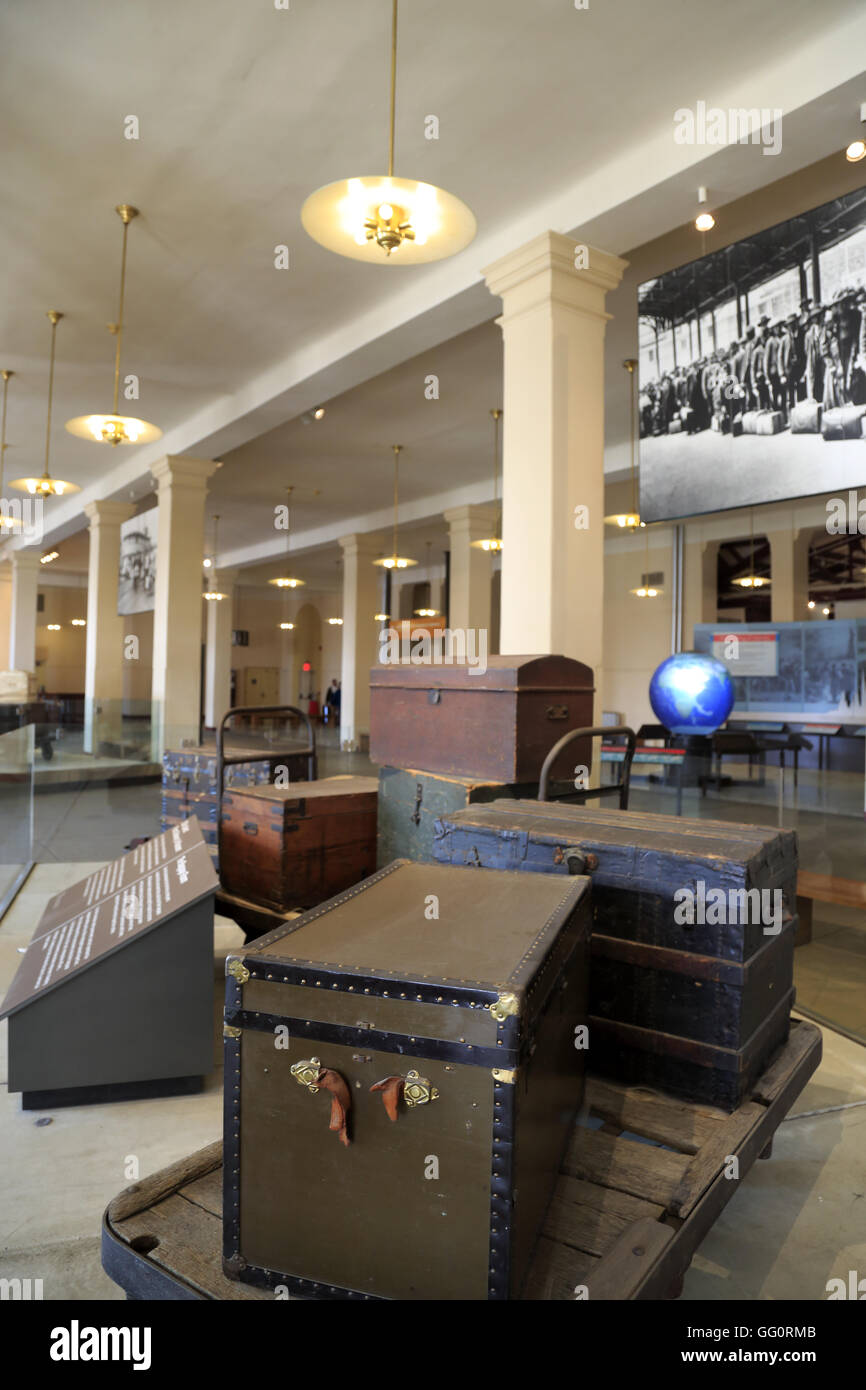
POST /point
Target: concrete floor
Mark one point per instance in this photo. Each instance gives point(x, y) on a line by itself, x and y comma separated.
point(795, 1222)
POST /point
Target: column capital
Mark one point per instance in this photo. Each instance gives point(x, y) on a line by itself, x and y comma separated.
point(26, 560)
point(477, 519)
point(555, 267)
point(177, 469)
point(108, 513)
point(360, 545)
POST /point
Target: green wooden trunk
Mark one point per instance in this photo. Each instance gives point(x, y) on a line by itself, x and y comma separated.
point(411, 801)
point(464, 992)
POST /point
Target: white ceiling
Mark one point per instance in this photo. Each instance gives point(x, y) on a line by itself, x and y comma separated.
point(549, 116)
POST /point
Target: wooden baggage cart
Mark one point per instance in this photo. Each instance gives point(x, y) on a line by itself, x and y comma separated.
point(625, 1220)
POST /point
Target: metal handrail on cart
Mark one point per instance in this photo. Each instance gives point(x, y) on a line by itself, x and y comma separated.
point(595, 731)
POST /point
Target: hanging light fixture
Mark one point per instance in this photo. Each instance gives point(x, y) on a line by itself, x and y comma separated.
point(116, 429)
point(751, 580)
point(428, 611)
point(395, 561)
point(704, 222)
point(212, 592)
point(494, 542)
point(286, 581)
point(46, 486)
point(9, 522)
point(370, 218)
point(857, 148)
point(629, 521)
point(645, 589)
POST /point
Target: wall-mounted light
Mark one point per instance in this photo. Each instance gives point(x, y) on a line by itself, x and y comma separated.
point(811, 603)
point(382, 617)
point(335, 622)
point(857, 148)
point(49, 556)
point(55, 627)
point(704, 222)
point(79, 622)
point(287, 627)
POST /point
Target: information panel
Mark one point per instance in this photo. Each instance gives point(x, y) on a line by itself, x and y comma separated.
point(111, 907)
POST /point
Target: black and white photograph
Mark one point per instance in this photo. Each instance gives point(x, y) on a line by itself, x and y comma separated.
point(753, 368)
point(137, 575)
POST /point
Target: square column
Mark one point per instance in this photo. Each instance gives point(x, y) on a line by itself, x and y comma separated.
point(789, 568)
point(219, 619)
point(471, 571)
point(361, 585)
point(103, 662)
point(177, 616)
point(22, 625)
point(553, 322)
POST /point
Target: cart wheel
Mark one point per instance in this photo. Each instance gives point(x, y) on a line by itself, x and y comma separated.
point(48, 751)
point(767, 1152)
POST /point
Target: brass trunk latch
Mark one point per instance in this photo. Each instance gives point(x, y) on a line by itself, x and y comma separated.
point(237, 970)
point(306, 1073)
point(417, 1089)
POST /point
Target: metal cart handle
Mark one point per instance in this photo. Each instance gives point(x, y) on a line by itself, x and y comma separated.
point(223, 762)
point(596, 731)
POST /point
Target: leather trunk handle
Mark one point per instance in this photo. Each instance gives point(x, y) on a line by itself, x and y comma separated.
point(392, 1090)
point(315, 1077)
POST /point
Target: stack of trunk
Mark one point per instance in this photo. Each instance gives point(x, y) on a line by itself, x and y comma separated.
point(691, 983)
point(189, 783)
point(449, 736)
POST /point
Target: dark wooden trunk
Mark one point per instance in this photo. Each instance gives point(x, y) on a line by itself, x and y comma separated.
point(695, 1008)
point(638, 862)
point(295, 846)
point(499, 725)
point(421, 977)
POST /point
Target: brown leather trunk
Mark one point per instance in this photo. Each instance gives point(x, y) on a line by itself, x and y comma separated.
point(295, 846)
point(401, 1064)
point(499, 724)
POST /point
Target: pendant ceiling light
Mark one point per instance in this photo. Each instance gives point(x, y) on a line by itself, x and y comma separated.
point(287, 581)
point(384, 219)
point(629, 521)
point(751, 580)
point(645, 589)
point(428, 611)
point(212, 592)
point(395, 561)
point(494, 542)
point(46, 486)
point(116, 429)
point(7, 522)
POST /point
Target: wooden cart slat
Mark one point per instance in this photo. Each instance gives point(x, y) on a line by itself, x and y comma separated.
point(626, 1217)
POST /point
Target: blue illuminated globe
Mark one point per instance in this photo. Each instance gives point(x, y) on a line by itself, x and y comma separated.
point(691, 693)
